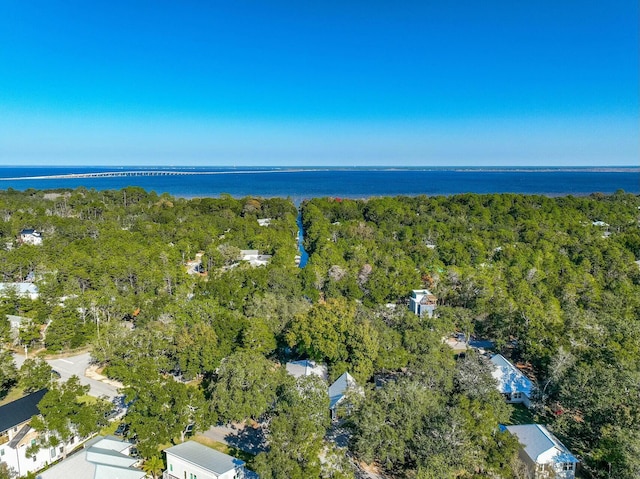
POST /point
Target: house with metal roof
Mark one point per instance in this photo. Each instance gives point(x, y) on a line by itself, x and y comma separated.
point(542, 453)
point(307, 367)
point(512, 384)
point(422, 301)
point(338, 391)
point(195, 461)
point(16, 435)
point(102, 458)
point(23, 289)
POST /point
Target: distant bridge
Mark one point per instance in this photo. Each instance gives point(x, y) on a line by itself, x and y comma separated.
point(118, 174)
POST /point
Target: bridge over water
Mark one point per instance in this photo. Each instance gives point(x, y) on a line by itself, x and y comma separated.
point(117, 174)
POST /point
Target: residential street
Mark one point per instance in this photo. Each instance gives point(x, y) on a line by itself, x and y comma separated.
point(77, 365)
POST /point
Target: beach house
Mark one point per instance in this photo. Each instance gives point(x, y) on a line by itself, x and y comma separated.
point(102, 458)
point(542, 453)
point(195, 461)
point(422, 301)
point(512, 384)
point(30, 236)
point(17, 435)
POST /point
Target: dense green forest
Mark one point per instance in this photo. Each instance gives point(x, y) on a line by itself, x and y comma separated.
point(554, 291)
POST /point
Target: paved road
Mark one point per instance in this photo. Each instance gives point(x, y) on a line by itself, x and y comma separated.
point(77, 365)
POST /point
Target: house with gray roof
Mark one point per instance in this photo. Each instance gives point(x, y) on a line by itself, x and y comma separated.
point(338, 391)
point(195, 461)
point(17, 436)
point(512, 384)
point(542, 453)
point(102, 458)
point(307, 367)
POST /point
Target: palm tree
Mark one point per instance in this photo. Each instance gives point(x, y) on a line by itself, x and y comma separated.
point(154, 466)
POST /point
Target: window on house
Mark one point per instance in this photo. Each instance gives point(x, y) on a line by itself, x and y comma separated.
point(52, 452)
point(567, 466)
point(33, 442)
point(171, 467)
point(1, 452)
point(72, 440)
point(61, 449)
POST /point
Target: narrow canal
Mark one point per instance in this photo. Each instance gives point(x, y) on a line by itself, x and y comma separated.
point(304, 256)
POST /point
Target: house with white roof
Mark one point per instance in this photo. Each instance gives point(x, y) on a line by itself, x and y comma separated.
point(338, 391)
point(422, 301)
point(25, 290)
point(512, 384)
point(102, 458)
point(254, 258)
point(306, 367)
point(195, 461)
point(543, 454)
point(264, 221)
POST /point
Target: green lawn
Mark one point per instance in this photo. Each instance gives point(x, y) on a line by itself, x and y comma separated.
point(109, 430)
point(520, 415)
point(15, 393)
point(218, 446)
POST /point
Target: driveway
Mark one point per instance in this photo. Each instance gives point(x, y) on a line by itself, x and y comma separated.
point(77, 365)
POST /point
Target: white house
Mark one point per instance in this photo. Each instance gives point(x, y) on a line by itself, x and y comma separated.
point(14, 324)
point(16, 435)
point(512, 384)
point(422, 301)
point(307, 368)
point(254, 258)
point(543, 454)
point(30, 236)
point(192, 460)
point(264, 221)
point(26, 290)
point(338, 391)
point(103, 458)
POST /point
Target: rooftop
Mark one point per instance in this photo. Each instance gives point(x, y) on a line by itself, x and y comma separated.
point(20, 288)
point(306, 368)
point(510, 379)
point(339, 388)
point(103, 458)
point(537, 440)
point(20, 410)
point(205, 457)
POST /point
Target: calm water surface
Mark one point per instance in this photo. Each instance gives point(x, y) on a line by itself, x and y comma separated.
point(299, 184)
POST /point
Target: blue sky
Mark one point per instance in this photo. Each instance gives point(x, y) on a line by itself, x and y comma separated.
point(319, 83)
